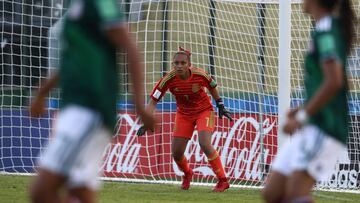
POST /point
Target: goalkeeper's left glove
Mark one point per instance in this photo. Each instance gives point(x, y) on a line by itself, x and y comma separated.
point(222, 110)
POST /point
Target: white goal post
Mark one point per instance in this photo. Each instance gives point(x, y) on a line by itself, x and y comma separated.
point(253, 48)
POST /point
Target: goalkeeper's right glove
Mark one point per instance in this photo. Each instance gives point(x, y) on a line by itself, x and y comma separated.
point(142, 130)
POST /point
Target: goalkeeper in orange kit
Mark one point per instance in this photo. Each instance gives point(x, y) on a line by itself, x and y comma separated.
point(194, 108)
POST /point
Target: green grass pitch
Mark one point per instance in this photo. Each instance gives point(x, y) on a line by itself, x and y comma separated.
point(13, 189)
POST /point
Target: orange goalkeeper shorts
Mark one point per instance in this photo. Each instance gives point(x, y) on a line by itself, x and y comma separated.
point(185, 124)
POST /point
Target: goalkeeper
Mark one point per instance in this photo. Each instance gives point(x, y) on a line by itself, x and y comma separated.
point(194, 108)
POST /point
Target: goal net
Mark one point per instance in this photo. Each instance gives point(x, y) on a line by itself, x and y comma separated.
point(236, 41)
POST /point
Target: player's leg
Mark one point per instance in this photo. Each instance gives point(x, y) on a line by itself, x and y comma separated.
point(183, 130)
point(178, 146)
point(205, 125)
point(299, 187)
point(214, 161)
point(83, 180)
point(81, 195)
point(45, 187)
point(204, 138)
point(275, 185)
point(51, 176)
point(211, 154)
point(275, 188)
point(299, 184)
point(73, 130)
point(313, 160)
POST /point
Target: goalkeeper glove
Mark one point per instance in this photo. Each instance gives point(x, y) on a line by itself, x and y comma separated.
point(141, 131)
point(222, 110)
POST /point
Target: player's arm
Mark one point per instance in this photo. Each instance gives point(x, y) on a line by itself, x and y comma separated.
point(156, 95)
point(333, 72)
point(333, 82)
point(113, 22)
point(120, 36)
point(37, 106)
point(151, 107)
point(211, 86)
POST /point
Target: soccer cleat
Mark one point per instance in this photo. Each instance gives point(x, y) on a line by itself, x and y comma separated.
point(186, 180)
point(222, 185)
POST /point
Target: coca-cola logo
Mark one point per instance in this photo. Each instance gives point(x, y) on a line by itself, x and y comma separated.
point(242, 147)
point(238, 161)
point(123, 157)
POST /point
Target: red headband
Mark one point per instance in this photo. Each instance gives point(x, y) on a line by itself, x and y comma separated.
point(187, 52)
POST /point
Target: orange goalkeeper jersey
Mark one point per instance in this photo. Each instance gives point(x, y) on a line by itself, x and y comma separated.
point(190, 94)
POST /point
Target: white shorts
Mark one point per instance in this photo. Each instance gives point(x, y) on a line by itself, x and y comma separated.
point(311, 150)
point(77, 148)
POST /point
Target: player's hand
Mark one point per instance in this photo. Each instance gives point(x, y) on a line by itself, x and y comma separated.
point(222, 110)
point(291, 124)
point(141, 131)
point(292, 112)
point(37, 106)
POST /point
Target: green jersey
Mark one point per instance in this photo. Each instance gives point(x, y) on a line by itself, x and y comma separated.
point(88, 71)
point(327, 43)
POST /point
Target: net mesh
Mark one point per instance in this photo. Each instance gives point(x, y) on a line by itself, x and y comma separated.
point(235, 41)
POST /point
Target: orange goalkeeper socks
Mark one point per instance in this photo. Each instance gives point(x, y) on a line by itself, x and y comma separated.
point(183, 165)
point(215, 162)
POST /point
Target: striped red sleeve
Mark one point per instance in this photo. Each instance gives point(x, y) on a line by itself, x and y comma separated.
point(161, 86)
point(209, 82)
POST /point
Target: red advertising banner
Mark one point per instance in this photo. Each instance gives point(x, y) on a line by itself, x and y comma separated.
point(246, 146)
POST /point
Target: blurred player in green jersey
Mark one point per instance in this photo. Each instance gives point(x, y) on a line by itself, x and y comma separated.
point(92, 31)
point(320, 126)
